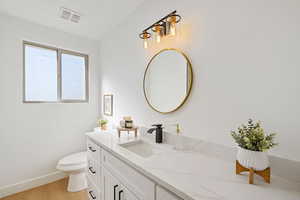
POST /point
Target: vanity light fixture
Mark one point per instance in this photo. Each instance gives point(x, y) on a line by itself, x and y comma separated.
point(164, 26)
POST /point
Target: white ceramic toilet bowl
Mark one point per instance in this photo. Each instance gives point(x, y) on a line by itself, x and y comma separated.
point(75, 166)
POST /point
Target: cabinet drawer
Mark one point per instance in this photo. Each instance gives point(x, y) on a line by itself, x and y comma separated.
point(94, 171)
point(129, 177)
point(92, 192)
point(93, 150)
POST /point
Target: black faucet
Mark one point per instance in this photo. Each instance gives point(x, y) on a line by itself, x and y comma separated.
point(158, 132)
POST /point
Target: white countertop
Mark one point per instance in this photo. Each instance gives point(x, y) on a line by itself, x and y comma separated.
point(196, 175)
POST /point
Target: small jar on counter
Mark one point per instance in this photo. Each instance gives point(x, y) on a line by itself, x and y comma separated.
point(128, 124)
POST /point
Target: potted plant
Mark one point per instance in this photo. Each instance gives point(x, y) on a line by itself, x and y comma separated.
point(253, 144)
point(102, 124)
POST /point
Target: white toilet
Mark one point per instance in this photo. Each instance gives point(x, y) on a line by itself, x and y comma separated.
point(75, 166)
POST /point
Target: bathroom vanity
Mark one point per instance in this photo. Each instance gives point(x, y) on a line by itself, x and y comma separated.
point(130, 168)
point(110, 178)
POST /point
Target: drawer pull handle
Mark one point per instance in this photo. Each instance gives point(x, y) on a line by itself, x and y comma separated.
point(115, 187)
point(92, 195)
point(91, 149)
point(120, 194)
point(91, 170)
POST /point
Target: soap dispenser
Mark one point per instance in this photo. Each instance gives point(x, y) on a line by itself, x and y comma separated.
point(178, 139)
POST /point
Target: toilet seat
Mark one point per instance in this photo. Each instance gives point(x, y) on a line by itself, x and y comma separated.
point(75, 166)
point(73, 162)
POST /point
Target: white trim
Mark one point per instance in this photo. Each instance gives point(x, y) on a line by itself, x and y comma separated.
point(30, 183)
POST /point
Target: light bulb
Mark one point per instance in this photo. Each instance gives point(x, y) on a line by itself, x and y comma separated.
point(145, 43)
point(145, 36)
point(172, 21)
point(158, 37)
point(173, 28)
point(158, 32)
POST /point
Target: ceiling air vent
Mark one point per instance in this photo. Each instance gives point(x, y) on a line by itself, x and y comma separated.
point(75, 18)
point(70, 15)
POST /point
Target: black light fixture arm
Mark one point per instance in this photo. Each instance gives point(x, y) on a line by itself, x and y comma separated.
point(162, 20)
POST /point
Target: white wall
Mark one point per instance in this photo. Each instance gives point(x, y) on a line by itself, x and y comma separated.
point(245, 56)
point(33, 137)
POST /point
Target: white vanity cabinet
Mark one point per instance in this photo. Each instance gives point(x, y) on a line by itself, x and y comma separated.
point(110, 178)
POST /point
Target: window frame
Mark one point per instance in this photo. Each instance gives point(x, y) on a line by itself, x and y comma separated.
point(59, 53)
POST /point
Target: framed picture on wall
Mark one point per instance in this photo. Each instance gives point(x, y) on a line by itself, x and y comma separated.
point(108, 104)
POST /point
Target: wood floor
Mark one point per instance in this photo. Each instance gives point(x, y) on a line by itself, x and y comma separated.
point(51, 191)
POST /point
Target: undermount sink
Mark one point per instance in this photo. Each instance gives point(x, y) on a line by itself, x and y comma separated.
point(141, 148)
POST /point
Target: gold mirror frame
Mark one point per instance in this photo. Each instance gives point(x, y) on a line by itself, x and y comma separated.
point(190, 80)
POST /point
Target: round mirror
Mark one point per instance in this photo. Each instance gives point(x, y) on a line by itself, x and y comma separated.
point(168, 80)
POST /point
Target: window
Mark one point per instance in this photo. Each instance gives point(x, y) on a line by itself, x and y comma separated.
point(54, 75)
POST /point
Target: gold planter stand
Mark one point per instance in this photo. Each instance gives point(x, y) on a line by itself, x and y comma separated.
point(265, 174)
point(128, 130)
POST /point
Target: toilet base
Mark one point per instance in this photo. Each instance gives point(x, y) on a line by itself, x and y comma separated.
point(77, 182)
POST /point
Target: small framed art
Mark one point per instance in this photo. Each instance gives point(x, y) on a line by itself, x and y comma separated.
point(108, 104)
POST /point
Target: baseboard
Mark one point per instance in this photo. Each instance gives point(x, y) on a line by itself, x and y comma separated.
point(30, 183)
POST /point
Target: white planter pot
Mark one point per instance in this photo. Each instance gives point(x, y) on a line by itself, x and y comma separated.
point(253, 159)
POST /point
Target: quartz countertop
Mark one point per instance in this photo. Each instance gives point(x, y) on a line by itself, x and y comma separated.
point(197, 175)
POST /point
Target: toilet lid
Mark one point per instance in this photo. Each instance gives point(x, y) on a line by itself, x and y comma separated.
point(74, 159)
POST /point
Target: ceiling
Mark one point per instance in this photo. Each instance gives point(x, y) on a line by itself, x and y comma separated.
point(97, 16)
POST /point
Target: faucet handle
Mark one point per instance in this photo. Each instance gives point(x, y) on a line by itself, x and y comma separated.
point(157, 125)
point(177, 128)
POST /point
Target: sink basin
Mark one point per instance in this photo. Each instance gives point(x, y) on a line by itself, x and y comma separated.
point(141, 148)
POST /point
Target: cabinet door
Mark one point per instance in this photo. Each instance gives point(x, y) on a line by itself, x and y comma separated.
point(111, 186)
point(114, 190)
point(162, 194)
point(125, 194)
point(142, 187)
point(128, 195)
